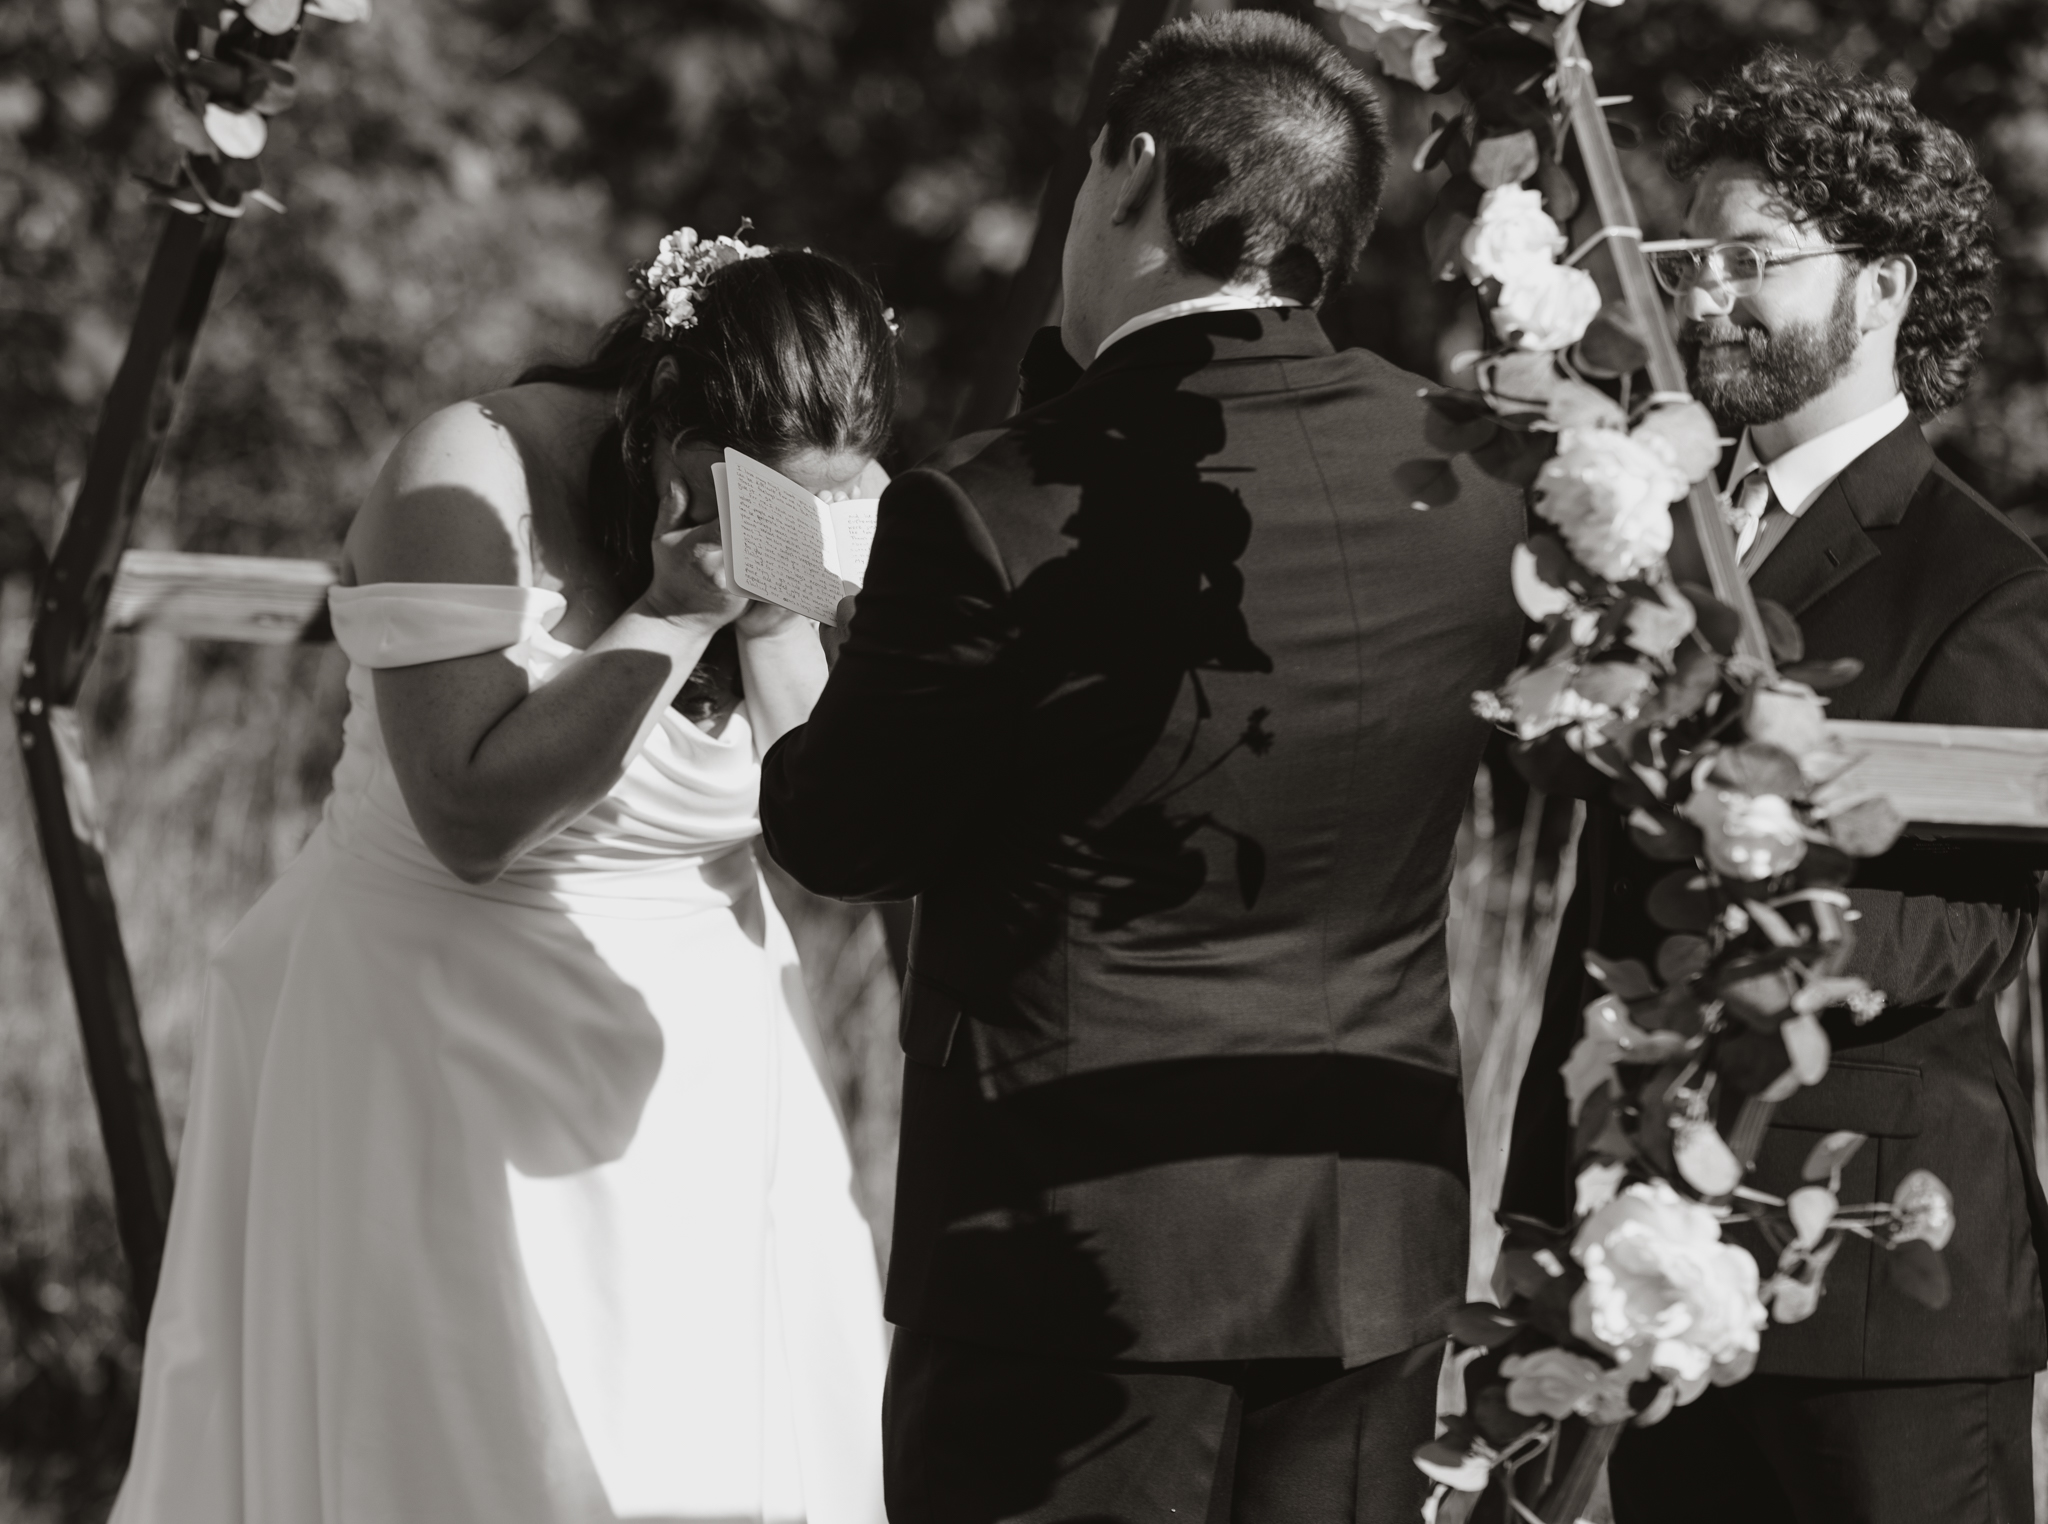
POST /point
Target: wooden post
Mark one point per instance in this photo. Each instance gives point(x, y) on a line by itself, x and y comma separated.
point(1639, 289)
point(993, 392)
point(70, 612)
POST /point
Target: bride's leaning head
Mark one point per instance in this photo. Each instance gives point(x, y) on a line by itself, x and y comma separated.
point(782, 354)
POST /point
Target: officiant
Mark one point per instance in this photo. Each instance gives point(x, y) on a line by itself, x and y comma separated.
point(1833, 301)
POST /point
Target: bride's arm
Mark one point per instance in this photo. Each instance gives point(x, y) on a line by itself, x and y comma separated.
point(489, 769)
point(783, 666)
point(783, 660)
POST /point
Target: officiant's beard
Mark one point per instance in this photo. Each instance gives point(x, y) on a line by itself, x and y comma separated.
point(1747, 376)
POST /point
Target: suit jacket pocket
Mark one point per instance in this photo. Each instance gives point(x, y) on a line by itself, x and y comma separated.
point(1880, 1099)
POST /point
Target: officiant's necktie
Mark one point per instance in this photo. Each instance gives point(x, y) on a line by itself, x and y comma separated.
point(1758, 518)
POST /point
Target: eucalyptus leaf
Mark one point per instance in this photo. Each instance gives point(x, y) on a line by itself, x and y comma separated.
point(186, 130)
point(1441, 235)
point(1427, 482)
point(1482, 1324)
point(1681, 901)
point(1757, 767)
point(1830, 1154)
point(1916, 1268)
point(1867, 828)
point(1788, 644)
point(1622, 976)
point(1560, 191)
point(1505, 160)
point(1718, 623)
point(1824, 676)
point(1612, 344)
point(1683, 957)
point(273, 16)
point(1431, 151)
point(1812, 1208)
point(238, 134)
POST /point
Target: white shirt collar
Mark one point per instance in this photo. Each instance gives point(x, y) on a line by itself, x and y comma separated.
point(1802, 473)
point(1229, 299)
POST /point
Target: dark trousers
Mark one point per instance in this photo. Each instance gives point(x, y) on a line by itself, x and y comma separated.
point(1789, 1450)
point(974, 1435)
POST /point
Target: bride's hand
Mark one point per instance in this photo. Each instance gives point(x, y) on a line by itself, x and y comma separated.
point(691, 580)
point(763, 618)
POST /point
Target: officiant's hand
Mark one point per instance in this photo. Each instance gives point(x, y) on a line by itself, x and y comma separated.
point(691, 581)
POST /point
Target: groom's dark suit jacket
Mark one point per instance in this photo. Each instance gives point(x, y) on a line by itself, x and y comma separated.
point(1901, 566)
point(1158, 700)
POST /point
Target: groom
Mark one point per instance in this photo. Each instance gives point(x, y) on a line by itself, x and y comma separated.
point(1157, 699)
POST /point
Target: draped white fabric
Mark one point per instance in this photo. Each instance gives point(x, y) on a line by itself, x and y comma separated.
point(518, 1203)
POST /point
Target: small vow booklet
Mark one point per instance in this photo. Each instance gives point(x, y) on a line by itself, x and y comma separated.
point(784, 545)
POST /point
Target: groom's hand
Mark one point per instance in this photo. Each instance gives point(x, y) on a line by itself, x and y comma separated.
point(833, 635)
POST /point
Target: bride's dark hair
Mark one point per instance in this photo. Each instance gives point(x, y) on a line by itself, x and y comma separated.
point(791, 351)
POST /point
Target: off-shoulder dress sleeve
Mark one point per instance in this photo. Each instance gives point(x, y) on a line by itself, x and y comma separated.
point(408, 624)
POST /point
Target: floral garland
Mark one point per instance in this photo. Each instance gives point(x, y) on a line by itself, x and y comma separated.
point(1634, 690)
point(229, 76)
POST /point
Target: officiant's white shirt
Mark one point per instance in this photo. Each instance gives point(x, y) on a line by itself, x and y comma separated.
point(1802, 473)
point(1229, 299)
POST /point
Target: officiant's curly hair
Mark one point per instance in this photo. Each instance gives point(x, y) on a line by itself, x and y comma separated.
point(1864, 167)
point(1274, 149)
point(790, 352)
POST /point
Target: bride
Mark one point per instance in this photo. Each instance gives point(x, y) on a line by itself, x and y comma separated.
point(509, 1194)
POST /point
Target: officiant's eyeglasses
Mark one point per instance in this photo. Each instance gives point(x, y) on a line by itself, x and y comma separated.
point(1677, 262)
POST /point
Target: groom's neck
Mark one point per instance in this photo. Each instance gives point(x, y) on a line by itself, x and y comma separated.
point(1153, 278)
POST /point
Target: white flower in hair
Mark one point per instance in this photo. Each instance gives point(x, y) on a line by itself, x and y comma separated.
point(671, 282)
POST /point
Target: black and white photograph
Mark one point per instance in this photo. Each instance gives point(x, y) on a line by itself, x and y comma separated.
point(1023, 761)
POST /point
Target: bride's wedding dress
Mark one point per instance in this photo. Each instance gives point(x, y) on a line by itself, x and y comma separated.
point(513, 1203)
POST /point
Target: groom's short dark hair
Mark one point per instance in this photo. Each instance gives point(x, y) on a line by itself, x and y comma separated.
point(1275, 153)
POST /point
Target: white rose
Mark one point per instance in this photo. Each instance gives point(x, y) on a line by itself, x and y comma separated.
point(1511, 233)
point(1683, 433)
point(1662, 1288)
point(1411, 55)
point(1545, 306)
point(1748, 836)
point(1550, 1383)
point(1383, 15)
point(1597, 1185)
point(1611, 498)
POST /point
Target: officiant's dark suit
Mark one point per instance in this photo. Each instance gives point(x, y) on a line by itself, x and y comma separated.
point(1877, 1408)
point(1901, 566)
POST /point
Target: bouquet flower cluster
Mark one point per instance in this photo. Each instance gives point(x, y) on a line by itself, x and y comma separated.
point(1636, 690)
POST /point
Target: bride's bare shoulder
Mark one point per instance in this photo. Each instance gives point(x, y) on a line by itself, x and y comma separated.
point(454, 502)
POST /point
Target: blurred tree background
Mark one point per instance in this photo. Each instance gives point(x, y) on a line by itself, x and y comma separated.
point(467, 181)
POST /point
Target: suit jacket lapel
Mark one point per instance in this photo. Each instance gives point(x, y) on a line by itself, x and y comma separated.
point(1829, 543)
point(1824, 547)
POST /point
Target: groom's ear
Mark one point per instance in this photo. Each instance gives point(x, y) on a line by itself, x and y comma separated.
point(1140, 168)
